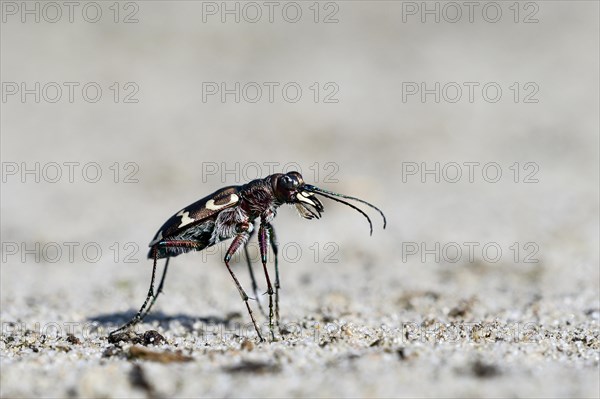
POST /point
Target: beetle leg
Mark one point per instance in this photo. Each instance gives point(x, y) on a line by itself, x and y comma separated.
point(138, 317)
point(237, 242)
point(151, 295)
point(263, 243)
point(158, 290)
point(274, 247)
point(254, 285)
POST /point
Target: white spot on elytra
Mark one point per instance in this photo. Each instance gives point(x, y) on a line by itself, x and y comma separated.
point(212, 206)
point(185, 218)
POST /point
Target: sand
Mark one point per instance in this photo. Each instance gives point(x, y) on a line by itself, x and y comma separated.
point(485, 282)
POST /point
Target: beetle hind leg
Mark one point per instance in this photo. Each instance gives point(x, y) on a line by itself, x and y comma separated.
point(158, 290)
point(151, 297)
point(142, 312)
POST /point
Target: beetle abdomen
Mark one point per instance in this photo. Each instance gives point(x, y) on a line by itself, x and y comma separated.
point(199, 233)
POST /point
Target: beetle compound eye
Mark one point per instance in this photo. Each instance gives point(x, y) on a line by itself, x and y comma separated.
point(287, 182)
point(296, 177)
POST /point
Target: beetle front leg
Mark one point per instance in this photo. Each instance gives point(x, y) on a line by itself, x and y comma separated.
point(237, 242)
point(263, 243)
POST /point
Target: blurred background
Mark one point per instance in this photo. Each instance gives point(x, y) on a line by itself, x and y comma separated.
point(474, 127)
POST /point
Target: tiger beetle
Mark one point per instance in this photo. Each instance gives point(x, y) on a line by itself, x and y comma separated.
point(230, 213)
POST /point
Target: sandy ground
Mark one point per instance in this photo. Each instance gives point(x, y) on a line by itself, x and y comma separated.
point(481, 285)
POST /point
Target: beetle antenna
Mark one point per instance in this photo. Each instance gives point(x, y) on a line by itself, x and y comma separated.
point(351, 206)
point(331, 193)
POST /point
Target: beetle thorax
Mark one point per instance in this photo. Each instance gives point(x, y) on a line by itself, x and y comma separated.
point(258, 200)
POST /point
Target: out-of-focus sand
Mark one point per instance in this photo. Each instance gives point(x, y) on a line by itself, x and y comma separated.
point(363, 317)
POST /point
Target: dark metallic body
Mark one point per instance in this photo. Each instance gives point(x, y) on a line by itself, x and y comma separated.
point(231, 213)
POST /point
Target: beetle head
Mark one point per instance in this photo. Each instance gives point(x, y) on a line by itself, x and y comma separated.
point(289, 189)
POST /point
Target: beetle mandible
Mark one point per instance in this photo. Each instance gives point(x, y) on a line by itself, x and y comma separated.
point(230, 213)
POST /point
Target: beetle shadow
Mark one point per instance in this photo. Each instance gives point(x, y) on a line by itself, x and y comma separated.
point(112, 321)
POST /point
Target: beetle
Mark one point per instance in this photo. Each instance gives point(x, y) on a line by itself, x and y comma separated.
point(230, 213)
